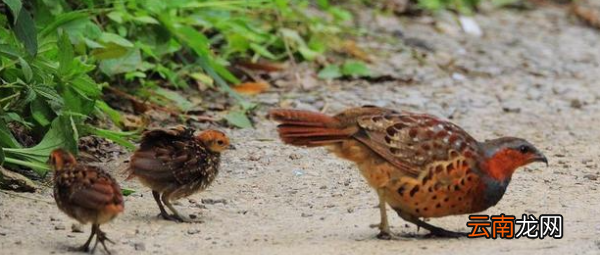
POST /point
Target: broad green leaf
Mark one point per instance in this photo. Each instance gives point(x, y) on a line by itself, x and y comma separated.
point(262, 51)
point(41, 112)
point(25, 32)
point(307, 53)
point(65, 55)
point(356, 68)
point(128, 63)
point(115, 16)
point(76, 102)
point(109, 51)
point(117, 137)
point(179, 100)
point(15, 8)
point(330, 72)
point(7, 140)
point(146, 20)
point(48, 92)
point(62, 134)
point(27, 73)
point(113, 114)
point(30, 96)
point(63, 19)
point(9, 51)
point(116, 39)
point(238, 119)
point(87, 86)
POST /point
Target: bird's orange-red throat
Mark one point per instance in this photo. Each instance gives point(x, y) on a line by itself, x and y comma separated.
point(504, 163)
point(420, 165)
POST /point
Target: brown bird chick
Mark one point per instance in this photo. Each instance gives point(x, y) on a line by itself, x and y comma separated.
point(420, 165)
point(175, 164)
point(85, 193)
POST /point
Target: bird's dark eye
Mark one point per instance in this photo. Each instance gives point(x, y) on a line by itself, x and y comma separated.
point(524, 149)
point(220, 142)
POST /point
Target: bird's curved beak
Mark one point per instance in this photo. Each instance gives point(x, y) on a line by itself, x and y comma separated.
point(538, 157)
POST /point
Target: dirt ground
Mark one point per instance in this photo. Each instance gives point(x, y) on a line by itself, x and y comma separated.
point(533, 74)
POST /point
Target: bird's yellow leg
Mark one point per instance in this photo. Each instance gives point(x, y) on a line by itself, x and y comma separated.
point(384, 226)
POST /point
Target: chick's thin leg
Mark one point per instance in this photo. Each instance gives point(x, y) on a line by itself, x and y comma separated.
point(163, 212)
point(167, 201)
point(86, 246)
point(384, 226)
point(101, 238)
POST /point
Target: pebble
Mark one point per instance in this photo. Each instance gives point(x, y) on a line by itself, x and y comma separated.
point(193, 231)
point(212, 201)
point(76, 228)
point(59, 227)
point(139, 246)
point(295, 156)
point(306, 215)
point(591, 177)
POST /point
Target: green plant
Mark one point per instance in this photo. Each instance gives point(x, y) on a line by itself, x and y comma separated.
point(45, 88)
point(56, 56)
point(463, 6)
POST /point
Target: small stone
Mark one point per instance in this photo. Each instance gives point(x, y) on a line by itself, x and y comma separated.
point(18, 242)
point(139, 246)
point(76, 228)
point(294, 156)
point(59, 227)
point(306, 215)
point(193, 231)
point(212, 201)
point(323, 187)
point(591, 177)
point(576, 104)
point(350, 210)
point(193, 216)
point(510, 109)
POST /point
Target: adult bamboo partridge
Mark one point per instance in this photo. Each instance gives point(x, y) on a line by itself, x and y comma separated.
point(85, 193)
point(175, 163)
point(418, 164)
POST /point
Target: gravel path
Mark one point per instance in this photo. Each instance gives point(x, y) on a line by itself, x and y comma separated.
point(533, 74)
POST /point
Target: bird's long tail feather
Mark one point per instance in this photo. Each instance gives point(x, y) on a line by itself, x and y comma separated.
point(306, 128)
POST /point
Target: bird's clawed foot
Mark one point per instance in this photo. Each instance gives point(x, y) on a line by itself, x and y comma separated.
point(176, 218)
point(102, 239)
point(384, 232)
point(170, 217)
point(84, 248)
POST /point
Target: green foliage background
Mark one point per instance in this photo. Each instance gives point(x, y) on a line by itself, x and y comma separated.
point(57, 57)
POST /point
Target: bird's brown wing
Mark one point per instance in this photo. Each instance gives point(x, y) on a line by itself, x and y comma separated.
point(91, 188)
point(412, 141)
point(169, 157)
